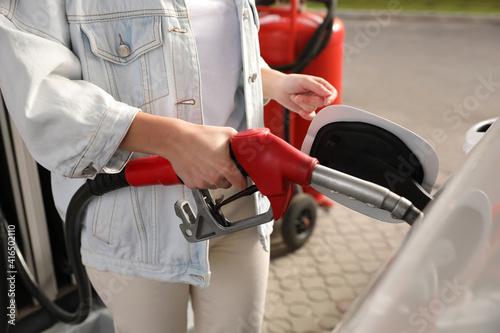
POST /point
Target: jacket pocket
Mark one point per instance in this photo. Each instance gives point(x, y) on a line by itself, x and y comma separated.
point(125, 57)
point(117, 226)
point(102, 224)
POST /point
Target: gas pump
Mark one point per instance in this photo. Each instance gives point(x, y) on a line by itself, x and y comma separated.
point(29, 219)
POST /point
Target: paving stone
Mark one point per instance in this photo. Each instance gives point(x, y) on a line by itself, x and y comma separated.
point(382, 254)
point(283, 262)
point(366, 256)
point(313, 283)
point(348, 230)
point(370, 267)
point(358, 290)
point(345, 256)
point(325, 309)
point(298, 295)
point(335, 280)
point(333, 247)
point(305, 325)
point(380, 245)
point(350, 267)
point(279, 310)
point(342, 293)
point(357, 279)
point(354, 239)
point(328, 323)
point(318, 295)
point(330, 270)
point(273, 286)
point(300, 309)
point(359, 247)
point(302, 252)
point(279, 325)
point(372, 236)
point(291, 284)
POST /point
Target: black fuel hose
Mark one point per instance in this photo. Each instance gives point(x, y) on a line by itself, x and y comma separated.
point(102, 184)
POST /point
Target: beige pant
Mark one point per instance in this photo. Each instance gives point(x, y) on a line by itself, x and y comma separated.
point(233, 302)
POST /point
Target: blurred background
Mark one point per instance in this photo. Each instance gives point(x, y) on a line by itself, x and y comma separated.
point(430, 66)
point(447, 6)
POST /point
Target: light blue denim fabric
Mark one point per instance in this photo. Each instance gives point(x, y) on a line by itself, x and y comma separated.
point(73, 97)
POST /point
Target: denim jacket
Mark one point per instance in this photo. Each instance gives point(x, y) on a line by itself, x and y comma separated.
point(74, 74)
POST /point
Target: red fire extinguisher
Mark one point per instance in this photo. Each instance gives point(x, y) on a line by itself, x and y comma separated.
point(295, 40)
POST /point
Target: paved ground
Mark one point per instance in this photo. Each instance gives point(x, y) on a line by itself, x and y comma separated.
point(436, 77)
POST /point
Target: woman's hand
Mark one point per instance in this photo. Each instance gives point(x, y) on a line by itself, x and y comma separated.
point(199, 154)
point(202, 158)
point(299, 93)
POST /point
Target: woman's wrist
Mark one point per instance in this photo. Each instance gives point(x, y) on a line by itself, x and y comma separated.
point(150, 134)
point(270, 82)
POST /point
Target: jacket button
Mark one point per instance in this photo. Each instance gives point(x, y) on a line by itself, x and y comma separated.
point(245, 14)
point(253, 78)
point(123, 50)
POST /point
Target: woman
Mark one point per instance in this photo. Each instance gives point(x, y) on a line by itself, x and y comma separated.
point(91, 84)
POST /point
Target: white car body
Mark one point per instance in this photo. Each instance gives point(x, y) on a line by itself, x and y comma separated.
point(445, 277)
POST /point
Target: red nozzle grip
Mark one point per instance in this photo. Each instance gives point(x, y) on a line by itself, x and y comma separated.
point(149, 171)
point(273, 165)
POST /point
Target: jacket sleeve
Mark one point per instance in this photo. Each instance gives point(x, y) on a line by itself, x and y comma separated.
point(70, 126)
